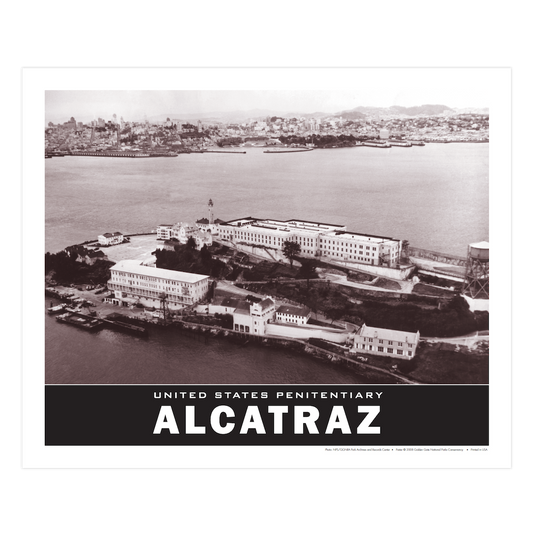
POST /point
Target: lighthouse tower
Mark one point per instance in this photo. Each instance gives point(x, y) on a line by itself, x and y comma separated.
point(210, 205)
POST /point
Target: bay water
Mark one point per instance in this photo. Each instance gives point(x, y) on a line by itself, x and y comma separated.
point(435, 196)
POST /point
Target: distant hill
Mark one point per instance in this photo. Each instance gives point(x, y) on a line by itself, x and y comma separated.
point(472, 110)
point(351, 115)
point(357, 113)
point(421, 109)
point(363, 112)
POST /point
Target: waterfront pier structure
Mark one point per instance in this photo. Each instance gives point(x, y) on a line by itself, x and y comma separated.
point(109, 153)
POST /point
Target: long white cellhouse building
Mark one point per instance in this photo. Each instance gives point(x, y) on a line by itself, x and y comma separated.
point(315, 239)
point(131, 280)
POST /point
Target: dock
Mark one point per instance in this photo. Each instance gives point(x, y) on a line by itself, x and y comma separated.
point(220, 152)
point(109, 153)
point(79, 320)
point(93, 323)
point(113, 321)
point(287, 151)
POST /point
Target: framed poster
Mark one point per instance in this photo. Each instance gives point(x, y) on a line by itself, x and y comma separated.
point(267, 267)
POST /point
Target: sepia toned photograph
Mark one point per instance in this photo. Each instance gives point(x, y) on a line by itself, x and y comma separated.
point(267, 236)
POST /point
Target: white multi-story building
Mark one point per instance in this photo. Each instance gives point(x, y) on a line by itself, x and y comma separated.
point(289, 314)
point(315, 239)
point(183, 231)
point(108, 239)
point(386, 342)
point(164, 231)
point(360, 248)
point(133, 282)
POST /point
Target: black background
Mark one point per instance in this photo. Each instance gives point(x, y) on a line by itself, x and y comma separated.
point(431, 415)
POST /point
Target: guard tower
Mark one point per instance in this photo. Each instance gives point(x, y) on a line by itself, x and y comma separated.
point(476, 282)
point(210, 205)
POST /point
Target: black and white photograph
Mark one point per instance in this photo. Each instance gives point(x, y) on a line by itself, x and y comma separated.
point(266, 267)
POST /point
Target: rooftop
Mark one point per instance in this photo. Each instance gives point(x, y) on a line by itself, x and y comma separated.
point(293, 310)
point(135, 267)
point(388, 334)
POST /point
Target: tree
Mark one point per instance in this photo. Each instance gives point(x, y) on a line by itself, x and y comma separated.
point(290, 250)
point(205, 255)
point(405, 250)
point(191, 243)
point(307, 271)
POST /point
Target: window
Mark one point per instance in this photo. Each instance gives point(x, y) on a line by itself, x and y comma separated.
point(390, 350)
point(399, 352)
point(380, 348)
point(390, 343)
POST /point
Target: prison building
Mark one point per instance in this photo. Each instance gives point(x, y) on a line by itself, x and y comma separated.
point(316, 240)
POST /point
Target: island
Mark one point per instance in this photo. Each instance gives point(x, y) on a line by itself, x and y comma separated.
point(371, 302)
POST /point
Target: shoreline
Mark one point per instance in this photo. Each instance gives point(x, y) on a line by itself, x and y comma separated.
point(204, 331)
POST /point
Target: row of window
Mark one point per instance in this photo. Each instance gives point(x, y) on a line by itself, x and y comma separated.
point(390, 343)
point(302, 240)
point(381, 349)
point(342, 246)
point(122, 275)
point(146, 293)
point(355, 257)
point(293, 320)
point(360, 251)
point(351, 244)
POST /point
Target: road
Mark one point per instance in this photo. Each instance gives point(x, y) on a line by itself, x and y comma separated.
point(465, 340)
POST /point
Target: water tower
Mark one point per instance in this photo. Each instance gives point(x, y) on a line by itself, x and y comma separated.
point(476, 282)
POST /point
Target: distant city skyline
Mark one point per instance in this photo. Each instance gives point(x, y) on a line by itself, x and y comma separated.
point(274, 90)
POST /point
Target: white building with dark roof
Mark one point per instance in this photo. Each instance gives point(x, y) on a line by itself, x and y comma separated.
point(108, 239)
point(386, 342)
point(291, 314)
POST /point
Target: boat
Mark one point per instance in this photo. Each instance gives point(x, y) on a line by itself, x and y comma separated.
point(404, 144)
point(56, 309)
point(113, 321)
point(375, 144)
point(88, 323)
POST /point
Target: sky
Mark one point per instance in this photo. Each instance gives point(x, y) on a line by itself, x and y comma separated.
point(456, 88)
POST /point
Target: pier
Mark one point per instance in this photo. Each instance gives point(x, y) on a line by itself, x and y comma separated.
point(93, 322)
point(218, 152)
point(287, 151)
point(110, 154)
